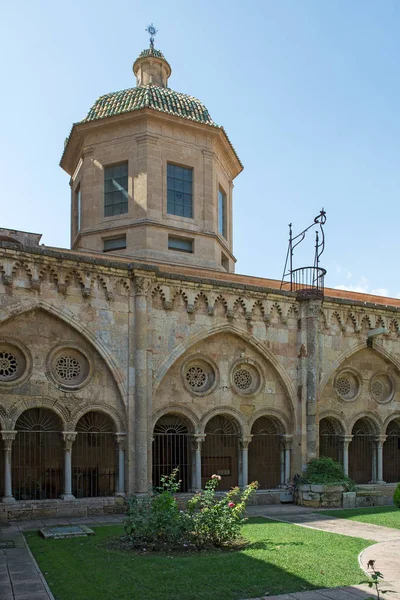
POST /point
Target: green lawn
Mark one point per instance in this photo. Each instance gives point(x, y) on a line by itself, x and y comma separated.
point(281, 558)
point(389, 516)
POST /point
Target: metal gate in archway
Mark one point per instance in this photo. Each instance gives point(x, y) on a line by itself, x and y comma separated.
point(391, 453)
point(38, 456)
point(265, 453)
point(220, 452)
point(94, 457)
point(171, 450)
point(361, 452)
point(329, 440)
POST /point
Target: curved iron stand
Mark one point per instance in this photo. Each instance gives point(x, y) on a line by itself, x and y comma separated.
point(308, 282)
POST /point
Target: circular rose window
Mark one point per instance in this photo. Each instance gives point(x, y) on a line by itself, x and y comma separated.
point(245, 378)
point(347, 385)
point(68, 367)
point(12, 363)
point(382, 388)
point(198, 376)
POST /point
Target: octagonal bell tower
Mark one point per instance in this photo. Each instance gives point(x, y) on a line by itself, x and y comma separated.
point(152, 175)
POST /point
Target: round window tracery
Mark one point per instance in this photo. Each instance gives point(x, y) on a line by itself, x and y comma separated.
point(196, 378)
point(8, 365)
point(13, 364)
point(68, 367)
point(382, 388)
point(199, 375)
point(243, 379)
point(347, 385)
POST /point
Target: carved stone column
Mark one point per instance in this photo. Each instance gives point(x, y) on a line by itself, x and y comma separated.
point(310, 307)
point(141, 404)
point(244, 444)
point(69, 438)
point(198, 440)
point(121, 439)
point(379, 440)
point(8, 438)
point(287, 442)
point(346, 439)
point(282, 465)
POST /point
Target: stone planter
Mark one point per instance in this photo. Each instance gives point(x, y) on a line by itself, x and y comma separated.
point(320, 496)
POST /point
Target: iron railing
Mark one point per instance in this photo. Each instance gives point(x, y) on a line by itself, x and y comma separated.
point(361, 453)
point(391, 459)
point(37, 465)
point(171, 451)
point(265, 460)
point(220, 456)
point(94, 464)
point(307, 281)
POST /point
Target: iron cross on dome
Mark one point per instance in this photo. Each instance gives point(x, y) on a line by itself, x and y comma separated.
point(152, 31)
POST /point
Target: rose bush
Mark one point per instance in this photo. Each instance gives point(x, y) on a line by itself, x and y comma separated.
point(156, 523)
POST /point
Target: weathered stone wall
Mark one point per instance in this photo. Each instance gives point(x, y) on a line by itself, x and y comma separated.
point(139, 348)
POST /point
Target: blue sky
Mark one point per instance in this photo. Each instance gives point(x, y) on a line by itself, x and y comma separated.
point(308, 91)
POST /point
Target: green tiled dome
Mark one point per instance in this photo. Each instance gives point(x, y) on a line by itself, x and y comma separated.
point(150, 96)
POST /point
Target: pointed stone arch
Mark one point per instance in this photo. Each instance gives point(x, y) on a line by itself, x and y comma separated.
point(68, 317)
point(242, 333)
point(380, 350)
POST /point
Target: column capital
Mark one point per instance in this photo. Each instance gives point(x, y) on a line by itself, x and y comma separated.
point(380, 439)
point(69, 438)
point(197, 440)
point(345, 439)
point(245, 441)
point(287, 441)
point(8, 438)
point(142, 283)
point(121, 439)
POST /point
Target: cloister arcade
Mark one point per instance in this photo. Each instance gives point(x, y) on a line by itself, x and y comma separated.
point(367, 454)
point(42, 461)
point(221, 449)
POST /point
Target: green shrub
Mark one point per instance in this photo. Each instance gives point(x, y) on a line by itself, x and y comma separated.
point(155, 522)
point(326, 471)
point(396, 496)
point(218, 521)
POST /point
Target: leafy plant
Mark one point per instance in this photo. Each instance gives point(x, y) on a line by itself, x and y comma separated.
point(326, 471)
point(155, 522)
point(377, 579)
point(396, 496)
point(218, 521)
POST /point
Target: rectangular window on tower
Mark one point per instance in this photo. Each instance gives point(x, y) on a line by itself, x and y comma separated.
point(180, 244)
point(116, 190)
point(78, 207)
point(221, 212)
point(118, 243)
point(179, 191)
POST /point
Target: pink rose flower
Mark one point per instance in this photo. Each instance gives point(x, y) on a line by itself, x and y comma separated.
point(231, 504)
point(216, 477)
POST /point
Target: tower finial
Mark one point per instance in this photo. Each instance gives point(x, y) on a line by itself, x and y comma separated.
point(152, 31)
